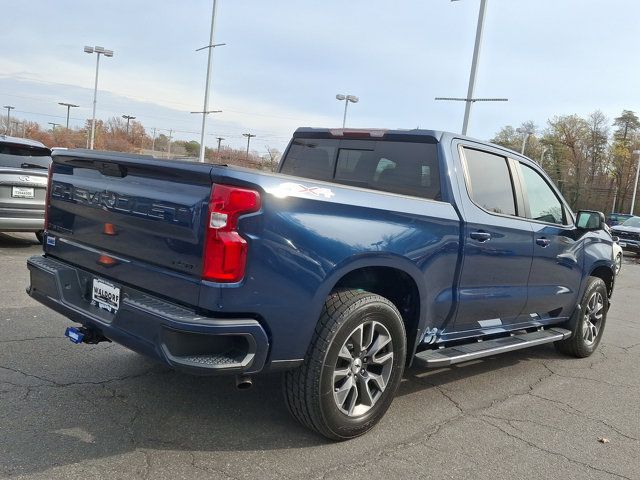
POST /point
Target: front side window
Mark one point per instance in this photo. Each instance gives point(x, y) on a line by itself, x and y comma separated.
point(490, 184)
point(544, 204)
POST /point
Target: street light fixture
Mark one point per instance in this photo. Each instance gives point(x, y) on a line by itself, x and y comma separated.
point(347, 99)
point(107, 53)
point(69, 107)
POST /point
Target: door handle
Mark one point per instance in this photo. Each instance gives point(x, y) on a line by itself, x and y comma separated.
point(480, 236)
point(543, 242)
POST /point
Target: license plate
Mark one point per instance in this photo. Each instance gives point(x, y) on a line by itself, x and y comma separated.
point(22, 192)
point(105, 295)
point(622, 244)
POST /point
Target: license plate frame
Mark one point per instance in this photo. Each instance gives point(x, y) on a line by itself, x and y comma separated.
point(105, 295)
point(22, 192)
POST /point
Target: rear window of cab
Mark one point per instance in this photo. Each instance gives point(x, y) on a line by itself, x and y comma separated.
point(406, 168)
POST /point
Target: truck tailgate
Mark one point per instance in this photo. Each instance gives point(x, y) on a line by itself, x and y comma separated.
point(136, 220)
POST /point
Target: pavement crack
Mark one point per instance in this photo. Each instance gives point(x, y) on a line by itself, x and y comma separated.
point(551, 452)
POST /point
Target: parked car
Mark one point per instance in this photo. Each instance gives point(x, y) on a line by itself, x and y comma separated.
point(370, 250)
point(629, 234)
point(614, 219)
point(617, 250)
point(23, 181)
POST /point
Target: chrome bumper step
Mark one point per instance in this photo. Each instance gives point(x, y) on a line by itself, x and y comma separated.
point(471, 351)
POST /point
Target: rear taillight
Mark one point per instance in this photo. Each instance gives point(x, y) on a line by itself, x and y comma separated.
point(225, 251)
point(47, 196)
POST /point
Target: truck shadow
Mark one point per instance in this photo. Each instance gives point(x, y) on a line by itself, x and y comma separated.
point(21, 240)
point(152, 407)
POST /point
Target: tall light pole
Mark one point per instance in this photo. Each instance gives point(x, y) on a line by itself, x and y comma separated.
point(9, 108)
point(220, 139)
point(635, 187)
point(474, 70)
point(53, 126)
point(203, 147)
point(526, 131)
point(347, 99)
point(205, 106)
point(107, 53)
point(249, 137)
point(128, 118)
point(69, 107)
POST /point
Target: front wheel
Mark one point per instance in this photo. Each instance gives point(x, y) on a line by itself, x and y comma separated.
point(589, 326)
point(352, 368)
point(618, 263)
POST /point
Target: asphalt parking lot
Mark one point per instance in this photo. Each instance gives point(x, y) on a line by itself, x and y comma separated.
point(69, 411)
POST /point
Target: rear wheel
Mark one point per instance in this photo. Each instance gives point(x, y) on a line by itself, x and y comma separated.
point(589, 327)
point(353, 367)
point(40, 236)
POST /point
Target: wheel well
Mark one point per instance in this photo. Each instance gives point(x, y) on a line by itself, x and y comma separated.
point(606, 274)
point(396, 286)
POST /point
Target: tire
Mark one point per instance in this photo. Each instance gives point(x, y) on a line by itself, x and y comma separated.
point(338, 392)
point(589, 326)
point(40, 236)
point(618, 263)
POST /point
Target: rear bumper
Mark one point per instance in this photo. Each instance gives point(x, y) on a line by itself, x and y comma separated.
point(18, 224)
point(152, 326)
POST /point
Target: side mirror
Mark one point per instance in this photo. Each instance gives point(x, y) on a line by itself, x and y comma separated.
point(590, 220)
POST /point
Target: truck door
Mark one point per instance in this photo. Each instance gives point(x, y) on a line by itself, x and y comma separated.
point(557, 251)
point(498, 243)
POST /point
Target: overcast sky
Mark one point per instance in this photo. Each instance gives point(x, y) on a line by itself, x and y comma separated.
point(285, 60)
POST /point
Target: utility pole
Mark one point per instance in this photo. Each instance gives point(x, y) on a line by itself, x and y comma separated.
point(635, 187)
point(69, 107)
point(472, 76)
point(153, 142)
point(128, 118)
point(169, 144)
point(107, 53)
point(9, 108)
point(220, 139)
point(205, 107)
point(249, 137)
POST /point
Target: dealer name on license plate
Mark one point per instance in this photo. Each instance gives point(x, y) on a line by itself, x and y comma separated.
point(22, 192)
point(105, 295)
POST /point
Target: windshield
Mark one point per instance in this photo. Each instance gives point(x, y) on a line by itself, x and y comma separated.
point(632, 222)
point(15, 155)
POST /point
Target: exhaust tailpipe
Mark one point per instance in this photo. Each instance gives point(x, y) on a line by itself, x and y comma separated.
point(243, 382)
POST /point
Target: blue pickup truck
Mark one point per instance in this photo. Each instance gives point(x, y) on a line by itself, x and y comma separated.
point(368, 251)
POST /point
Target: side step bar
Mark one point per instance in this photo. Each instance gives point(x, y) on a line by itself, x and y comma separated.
point(463, 353)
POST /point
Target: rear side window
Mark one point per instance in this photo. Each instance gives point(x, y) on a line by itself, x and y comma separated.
point(489, 181)
point(406, 168)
